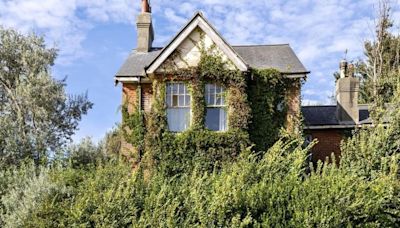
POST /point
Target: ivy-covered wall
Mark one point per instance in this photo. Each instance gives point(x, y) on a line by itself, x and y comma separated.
point(176, 152)
point(256, 113)
point(267, 91)
point(256, 107)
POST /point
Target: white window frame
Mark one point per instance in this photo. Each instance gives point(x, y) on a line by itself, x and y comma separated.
point(216, 94)
point(185, 93)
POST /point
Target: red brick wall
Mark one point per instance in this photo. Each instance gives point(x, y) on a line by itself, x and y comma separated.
point(147, 95)
point(129, 95)
point(328, 143)
point(293, 105)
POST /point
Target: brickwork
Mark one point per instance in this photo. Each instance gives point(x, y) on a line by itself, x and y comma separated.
point(293, 104)
point(328, 142)
point(147, 95)
point(129, 95)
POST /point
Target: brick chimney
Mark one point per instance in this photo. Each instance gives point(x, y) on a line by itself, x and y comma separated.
point(347, 87)
point(145, 33)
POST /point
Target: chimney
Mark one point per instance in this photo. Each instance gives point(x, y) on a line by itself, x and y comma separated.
point(145, 33)
point(347, 87)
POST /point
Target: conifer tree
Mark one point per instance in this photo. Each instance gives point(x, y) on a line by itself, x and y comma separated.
point(381, 69)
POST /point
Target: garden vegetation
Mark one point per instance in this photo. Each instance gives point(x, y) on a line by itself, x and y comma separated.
point(185, 182)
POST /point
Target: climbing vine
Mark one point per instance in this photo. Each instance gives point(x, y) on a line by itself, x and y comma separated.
point(255, 105)
point(267, 91)
point(133, 128)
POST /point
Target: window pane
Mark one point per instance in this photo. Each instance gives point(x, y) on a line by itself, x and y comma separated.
point(174, 100)
point(187, 100)
point(214, 95)
point(178, 119)
point(208, 88)
point(185, 89)
point(169, 89)
point(211, 100)
point(212, 89)
point(218, 89)
point(181, 100)
point(219, 99)
point(174, 88)
point(222, 120)
point(181, 89)
point(212, 119)
point(216, 119)
point(169, 100)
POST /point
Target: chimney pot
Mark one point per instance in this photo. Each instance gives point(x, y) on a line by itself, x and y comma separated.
point(146, 6)
point(350, 70)
point(343, 68)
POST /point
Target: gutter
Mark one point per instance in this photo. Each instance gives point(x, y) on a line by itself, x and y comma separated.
point(322, 127)
point(296, 75)
point(118, 79)
point(352, 126)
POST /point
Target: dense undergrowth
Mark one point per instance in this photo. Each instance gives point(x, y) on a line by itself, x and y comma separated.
point(280, 190)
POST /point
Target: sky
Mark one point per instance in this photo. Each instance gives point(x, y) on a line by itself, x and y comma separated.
point(95, 36)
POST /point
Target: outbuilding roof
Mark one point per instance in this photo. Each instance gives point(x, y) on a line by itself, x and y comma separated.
point(278, 56)
point(325, 116)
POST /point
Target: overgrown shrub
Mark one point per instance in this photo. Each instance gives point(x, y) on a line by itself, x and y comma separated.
point(279, 189)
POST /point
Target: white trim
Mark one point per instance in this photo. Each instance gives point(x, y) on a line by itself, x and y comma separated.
point(329, 127)
point(295, 75)
point(126, 79)
point(198, 21)
point(335, 126)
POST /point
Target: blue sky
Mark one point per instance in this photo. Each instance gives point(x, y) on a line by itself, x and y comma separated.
point(95, 36)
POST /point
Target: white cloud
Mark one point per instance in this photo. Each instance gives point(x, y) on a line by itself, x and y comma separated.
point(64, 23)
point(319, 31)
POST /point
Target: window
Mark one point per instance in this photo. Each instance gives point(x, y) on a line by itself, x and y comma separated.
point(178, 107)
point(216, 109)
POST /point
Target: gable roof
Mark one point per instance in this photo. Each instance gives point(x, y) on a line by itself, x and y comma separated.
point(197, 21)
point(279, 56)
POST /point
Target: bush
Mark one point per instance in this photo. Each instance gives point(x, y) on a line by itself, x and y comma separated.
point(277, 190)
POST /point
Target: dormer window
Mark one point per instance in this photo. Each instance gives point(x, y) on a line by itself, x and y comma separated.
point(178, 102)
point(216, 117)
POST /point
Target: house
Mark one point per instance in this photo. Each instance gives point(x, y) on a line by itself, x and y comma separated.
point(330, 124)
point(151, 75)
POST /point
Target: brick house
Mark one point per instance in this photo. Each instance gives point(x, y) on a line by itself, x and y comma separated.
point(145, 63)
point(330, 124)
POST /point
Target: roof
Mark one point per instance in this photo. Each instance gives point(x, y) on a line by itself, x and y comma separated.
point(279, 56)
point(136, 63)
point(326, 116)
point(198, 21)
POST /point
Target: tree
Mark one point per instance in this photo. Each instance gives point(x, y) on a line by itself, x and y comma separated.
point(381, 69)
point(36, 114)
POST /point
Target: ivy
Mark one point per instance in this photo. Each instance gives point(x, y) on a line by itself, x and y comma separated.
point(266, 91)
point(254, 117)
point(133, 128)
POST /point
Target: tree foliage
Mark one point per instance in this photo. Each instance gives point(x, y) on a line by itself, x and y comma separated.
point(36, 115)
point(381, 69)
